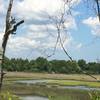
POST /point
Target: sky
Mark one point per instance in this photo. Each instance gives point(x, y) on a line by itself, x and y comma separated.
point(37, 36)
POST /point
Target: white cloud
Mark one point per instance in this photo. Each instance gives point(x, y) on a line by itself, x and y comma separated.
point(21, 43)
point(34, 30)
point(75, 2)
point(94, 24)
point(70, 23)
point(27, 8)
point(91, 21)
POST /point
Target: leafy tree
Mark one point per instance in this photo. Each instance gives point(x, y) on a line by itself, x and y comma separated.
point(42, 64)
point(72, 66)
point(94, 67)
point(58, 66)
point(82, 64)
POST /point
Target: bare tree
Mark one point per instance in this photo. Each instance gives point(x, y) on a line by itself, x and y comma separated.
point(60, 22)
point(11, 27)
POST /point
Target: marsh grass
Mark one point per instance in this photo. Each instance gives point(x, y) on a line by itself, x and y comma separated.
point(23, 75)
point(42, 90)
point(52, 92)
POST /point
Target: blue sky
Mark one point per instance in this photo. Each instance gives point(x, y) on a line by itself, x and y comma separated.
point(37, 36)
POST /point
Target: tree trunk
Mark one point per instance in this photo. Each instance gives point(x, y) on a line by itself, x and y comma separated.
point(5, 39)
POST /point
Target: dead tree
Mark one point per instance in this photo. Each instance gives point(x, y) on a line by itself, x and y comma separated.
point(11, 27)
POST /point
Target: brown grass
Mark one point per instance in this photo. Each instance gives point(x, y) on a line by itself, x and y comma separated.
point(80, 77)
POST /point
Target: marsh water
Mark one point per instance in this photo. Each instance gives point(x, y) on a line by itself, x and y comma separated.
point(34, 98)
point(59, 93)
point(63, 87)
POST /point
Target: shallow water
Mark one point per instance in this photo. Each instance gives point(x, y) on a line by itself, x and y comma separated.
point(33, 81)
point(63, 87)
point(33, 98)
point(79, 87)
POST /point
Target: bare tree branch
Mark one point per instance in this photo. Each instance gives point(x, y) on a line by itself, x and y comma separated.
point(98, 8)
point(94, 4)
point(59, 24)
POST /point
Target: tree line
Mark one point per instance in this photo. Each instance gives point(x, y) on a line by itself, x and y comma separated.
point(53, 66)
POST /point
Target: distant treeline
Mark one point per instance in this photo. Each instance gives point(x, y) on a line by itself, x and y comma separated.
point(54, 66)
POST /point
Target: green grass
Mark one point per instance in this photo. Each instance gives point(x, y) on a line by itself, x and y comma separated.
point(74, 83)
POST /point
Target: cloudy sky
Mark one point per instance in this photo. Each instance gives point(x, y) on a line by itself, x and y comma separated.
point(37, 36)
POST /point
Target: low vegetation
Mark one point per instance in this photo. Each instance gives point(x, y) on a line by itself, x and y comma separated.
point(8, 96)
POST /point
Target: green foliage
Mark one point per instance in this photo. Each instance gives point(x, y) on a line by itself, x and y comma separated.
point(54, 66)
point(8, 96)
point(82, 64)
point(94, 67)
point(42, 64)
point(58, 66)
